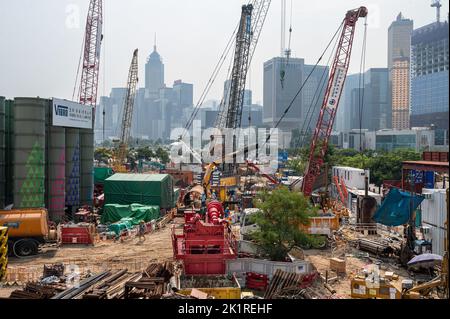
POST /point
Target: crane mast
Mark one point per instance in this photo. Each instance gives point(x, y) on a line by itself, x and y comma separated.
point(128, 106)
point(91, 56)
point(319, 143)
point(252, 20)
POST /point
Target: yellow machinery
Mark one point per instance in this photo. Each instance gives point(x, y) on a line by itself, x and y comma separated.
point(3, 251)
point(120, 155)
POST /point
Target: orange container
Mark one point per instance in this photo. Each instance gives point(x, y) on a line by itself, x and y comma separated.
point(25, 223)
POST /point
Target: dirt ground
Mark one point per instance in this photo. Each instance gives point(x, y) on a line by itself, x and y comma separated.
point(130, 254)
point(354, 265)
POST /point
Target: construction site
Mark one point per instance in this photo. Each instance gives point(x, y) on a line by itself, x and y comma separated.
point(225, 225)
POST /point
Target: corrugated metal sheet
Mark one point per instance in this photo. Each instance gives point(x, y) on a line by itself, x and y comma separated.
point(437, 240)
point(434, 207)
point(241, 266)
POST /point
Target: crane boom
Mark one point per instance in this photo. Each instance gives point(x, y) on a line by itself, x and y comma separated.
point(252, 20)
point(91, 56)
point(319, 143)
point(128, 106)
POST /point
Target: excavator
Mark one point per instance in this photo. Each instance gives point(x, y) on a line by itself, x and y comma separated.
point(120, 155)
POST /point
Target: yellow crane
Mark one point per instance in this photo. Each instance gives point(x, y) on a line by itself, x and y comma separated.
point(120, 156)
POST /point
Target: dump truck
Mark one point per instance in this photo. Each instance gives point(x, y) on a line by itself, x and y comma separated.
point(27, 229)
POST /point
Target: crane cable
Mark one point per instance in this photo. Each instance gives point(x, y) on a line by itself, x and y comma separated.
point(287, 52)
point(303, 85)
point(211, 81)
point(362, 73)
point(316, 98)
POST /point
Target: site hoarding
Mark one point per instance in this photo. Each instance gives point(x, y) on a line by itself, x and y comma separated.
point(71, 114)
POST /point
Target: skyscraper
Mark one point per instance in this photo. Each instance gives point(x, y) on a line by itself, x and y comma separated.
point(429, 76)
point(399, 39)
point(279, 91)
point(400, 93)
point(154, 73)
point(399, 43)
point(344, 112)
point(377, 109)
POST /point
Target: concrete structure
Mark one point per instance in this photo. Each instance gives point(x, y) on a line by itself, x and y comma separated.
point(429, 76)
point(388, 140)
point(400, 93)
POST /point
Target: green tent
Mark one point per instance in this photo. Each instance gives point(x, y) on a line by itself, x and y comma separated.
point(113, 213)
point(101, 174)
point(144, 189)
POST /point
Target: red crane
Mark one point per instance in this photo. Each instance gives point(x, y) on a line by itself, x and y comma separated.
point(319, 143)
point(91, 56)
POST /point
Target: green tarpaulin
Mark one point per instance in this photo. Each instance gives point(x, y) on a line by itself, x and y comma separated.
point(144, 189)
point(113, 213)
point(101, 174)
point(123, 224)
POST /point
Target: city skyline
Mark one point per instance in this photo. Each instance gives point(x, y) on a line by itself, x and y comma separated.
point(61, 26)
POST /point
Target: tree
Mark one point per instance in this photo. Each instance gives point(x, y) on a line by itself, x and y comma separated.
point(103, 154)
point(281, 215)
point(162, 155)
point(297, 165)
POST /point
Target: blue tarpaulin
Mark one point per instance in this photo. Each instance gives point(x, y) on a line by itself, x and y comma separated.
point(397, 207)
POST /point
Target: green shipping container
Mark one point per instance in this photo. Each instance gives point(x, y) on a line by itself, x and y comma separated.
point(101, 174)
point(144, 189)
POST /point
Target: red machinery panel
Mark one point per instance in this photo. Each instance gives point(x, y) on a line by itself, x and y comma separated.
point(203, 246)
point(256, 281)
point(77, 235)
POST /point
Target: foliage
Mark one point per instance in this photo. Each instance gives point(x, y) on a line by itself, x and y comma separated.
point(281, 215)
point(162, 155)
point(103, 154)
point(382, 165)
point(297, 165)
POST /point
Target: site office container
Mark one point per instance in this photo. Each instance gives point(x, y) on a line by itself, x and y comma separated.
point(321, 225)
point(353, 177)
point(434, 215)
point(219, 287)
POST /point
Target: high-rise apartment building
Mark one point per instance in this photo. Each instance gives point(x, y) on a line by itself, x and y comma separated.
point(400, 93)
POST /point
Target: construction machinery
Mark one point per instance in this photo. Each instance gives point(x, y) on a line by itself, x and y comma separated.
point(251, 22)
point(27, 229)
point(338, 74)
point(120, 156)
point(91, 54)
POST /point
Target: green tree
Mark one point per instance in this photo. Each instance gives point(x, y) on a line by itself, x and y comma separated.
point(162, 155)
point(281, 215)
point(103, 154)
point(297, 165)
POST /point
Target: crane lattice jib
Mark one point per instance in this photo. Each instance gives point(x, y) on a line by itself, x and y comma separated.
point(128, 106)
point(91, 55)
point(319, 144)
point(252, 20)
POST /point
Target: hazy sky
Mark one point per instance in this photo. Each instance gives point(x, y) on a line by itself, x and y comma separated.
point(41, 39)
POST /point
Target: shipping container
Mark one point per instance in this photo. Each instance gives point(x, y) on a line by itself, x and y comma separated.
point(145, 189)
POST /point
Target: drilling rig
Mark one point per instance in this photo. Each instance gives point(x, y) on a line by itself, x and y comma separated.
point(251, 23)
point(128, 106)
